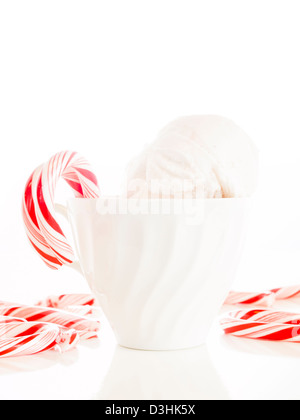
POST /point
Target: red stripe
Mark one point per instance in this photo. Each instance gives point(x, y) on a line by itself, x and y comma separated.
point(252, 313)
point(29, 201)
point(281, 335)
point(232, 330)
point(16, 346)
point(50, 346)
point(70, 158)
point(31, 331)
point(73, 338)
point(12, 321)
point(88, 174)
point(70, 324)
point(293, 295)
point(61, 256)
point(75, 186)
point(44, 209)
point(90, 302)
point(11, 310)
point(255, 299)
point(287, 297)
point(293, 322)
point(38, 316)
point(46, 256)
point(9, 350)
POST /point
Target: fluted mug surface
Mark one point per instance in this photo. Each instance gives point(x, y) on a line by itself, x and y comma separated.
point(160, 278)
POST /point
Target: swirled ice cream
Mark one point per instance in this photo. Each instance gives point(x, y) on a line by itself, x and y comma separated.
point(203, 156)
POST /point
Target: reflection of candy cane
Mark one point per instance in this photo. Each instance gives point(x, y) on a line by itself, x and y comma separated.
point(263, 324)
point(262, 299)
point(42, 228)
point(86, 327)
point(27, 338)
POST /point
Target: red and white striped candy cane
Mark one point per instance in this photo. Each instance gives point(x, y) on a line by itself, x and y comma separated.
point(242, 298)
point(80, 304)
point(65, 301)
point(262, 324)
point(87, 328)
point(38, 209)
point(9, 319)
point(33, 232)
point(20, 338)
point(262, 299)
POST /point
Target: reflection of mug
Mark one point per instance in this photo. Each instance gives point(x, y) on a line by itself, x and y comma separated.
point(159, 278)
point(164, 375)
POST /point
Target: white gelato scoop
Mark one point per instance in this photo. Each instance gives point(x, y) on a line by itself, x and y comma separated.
point(203, 156)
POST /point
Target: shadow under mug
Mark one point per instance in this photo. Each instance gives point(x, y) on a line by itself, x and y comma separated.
point(160, 275)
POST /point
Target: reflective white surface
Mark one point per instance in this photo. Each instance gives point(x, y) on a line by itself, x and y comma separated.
point(179, 374)
point(224, 368)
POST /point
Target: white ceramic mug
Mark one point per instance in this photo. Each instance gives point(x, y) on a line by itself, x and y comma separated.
point(160, 278)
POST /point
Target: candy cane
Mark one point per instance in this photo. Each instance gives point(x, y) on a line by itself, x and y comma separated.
point(28, 338)
point(263, 324)
point(38, 209)
point(80, 304)
point(87, 328)
point(27, 330)
point(33, 232)
point(262, 299)
point(10, 319)
point(69, 300)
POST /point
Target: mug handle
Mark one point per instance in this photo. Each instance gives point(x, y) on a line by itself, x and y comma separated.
point(63, 211)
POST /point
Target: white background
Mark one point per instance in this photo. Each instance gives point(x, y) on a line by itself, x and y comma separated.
point(102, 77)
